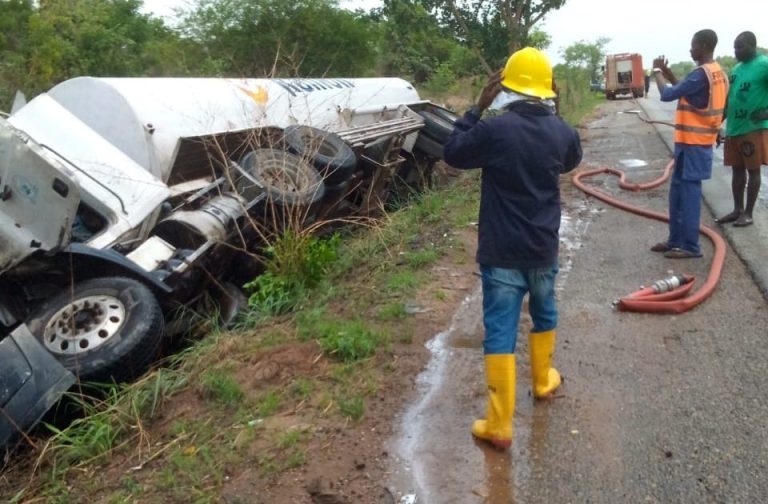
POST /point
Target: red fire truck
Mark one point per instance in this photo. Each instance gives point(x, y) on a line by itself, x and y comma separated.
point(624, 75)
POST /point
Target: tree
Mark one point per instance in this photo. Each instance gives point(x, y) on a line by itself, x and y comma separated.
point(497, 27)
point(413, 43)
point(14, 20)
point(69, 38)
point(587, 56)
point(310, 38)
point(682, 68)
point(727, 63)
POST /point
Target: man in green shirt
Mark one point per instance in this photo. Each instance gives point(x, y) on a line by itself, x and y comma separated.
point(746, 130)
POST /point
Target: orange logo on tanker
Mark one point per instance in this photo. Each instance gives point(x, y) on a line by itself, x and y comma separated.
point(258, 94)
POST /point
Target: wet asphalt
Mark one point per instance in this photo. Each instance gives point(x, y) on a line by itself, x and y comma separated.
point(654, 408)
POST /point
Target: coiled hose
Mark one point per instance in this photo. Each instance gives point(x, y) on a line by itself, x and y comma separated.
point(671, 297)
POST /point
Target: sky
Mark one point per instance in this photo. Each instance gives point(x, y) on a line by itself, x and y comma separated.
point(654, 27)
point(649, 27)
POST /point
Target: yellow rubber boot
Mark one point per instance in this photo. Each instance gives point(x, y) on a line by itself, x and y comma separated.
point(546, 379)
point(496, 427)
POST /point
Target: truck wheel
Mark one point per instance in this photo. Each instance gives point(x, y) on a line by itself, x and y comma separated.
point(435, 126)
point(102, 329)
point(333, 158)
point(287, 179)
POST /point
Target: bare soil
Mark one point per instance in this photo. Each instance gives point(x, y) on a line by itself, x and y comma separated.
point(347, 463)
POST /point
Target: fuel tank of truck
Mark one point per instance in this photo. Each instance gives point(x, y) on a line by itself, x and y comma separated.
point(146, 117)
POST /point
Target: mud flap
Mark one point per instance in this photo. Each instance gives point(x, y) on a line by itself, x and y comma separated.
point(31, 382)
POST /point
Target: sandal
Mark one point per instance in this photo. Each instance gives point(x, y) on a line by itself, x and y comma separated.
point(731, 217)
point(743, 221)
point(678, 253)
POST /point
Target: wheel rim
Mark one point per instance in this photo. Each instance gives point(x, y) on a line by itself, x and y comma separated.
point(84, 324)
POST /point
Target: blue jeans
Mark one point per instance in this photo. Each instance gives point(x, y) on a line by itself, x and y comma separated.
point(503, 293)
point(684, 212)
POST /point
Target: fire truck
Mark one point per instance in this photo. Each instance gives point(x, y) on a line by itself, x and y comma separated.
point(624, 75)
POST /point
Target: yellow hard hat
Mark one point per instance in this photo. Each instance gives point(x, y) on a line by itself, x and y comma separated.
point(528, 72)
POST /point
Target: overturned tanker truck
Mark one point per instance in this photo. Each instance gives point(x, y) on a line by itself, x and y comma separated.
point(123, 199)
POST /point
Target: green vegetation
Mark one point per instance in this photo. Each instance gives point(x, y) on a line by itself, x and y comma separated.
point(352, 407)
point(436, 44)
point(296, 262)
point(221, 387)
point(433, 43)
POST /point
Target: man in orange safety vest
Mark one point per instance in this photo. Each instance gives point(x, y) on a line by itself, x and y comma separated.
point(701, 97)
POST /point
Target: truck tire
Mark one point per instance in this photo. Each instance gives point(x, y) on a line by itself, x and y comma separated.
point(287, 179)
point(325, 150)
point(103, 329)
point(435, 126)
point(430, 147)
point(445, 114)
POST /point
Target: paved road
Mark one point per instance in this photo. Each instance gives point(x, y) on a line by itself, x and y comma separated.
point(751, 244)
point(655, 408)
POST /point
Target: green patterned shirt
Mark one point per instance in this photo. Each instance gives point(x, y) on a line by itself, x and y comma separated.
point(748, 93)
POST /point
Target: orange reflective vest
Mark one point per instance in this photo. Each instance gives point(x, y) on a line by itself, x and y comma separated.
point(697, 126)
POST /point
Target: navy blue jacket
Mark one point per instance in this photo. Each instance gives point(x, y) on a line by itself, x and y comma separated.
point(522, 153)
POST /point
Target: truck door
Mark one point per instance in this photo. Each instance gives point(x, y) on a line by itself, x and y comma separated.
point(38, 198)
point(624, 73)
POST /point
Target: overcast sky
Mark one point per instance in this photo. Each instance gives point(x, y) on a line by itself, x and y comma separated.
point(655, 27)
point(649, 27)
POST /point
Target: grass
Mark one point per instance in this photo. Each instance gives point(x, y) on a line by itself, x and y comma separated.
point(221, 387)
point(347, 340)
point(421, 258)
point(290, 438)
point(302, 388)
point(352, 407)
point(575, 102)
point(395, 310)
point(402, 282)
point(575, 114)
point(269, 403)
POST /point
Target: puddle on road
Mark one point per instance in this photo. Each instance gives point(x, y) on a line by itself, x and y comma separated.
point(574, 222)
point(632, 163)
point(435, 458)
point(464, 343)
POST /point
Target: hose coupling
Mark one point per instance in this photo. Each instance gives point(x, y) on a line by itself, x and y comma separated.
point(668, 284)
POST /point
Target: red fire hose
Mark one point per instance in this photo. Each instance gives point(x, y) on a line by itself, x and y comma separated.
point(670, 295)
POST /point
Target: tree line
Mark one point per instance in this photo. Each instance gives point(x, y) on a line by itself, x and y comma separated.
point(44, 42)
point(429, 42)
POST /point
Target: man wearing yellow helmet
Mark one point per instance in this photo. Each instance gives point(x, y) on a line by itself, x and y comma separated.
point(522, 153)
